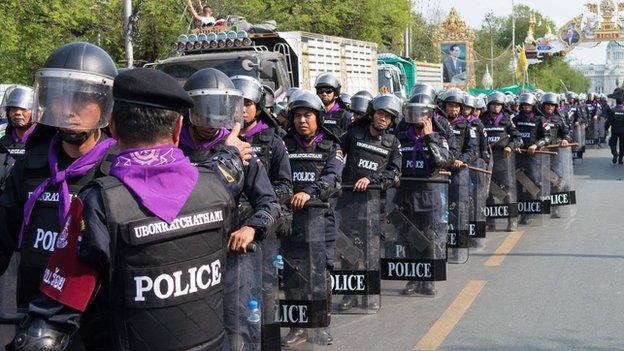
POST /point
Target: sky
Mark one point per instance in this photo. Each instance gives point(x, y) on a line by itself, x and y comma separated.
point(560, 11)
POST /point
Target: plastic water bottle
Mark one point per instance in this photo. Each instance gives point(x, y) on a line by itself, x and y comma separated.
point(279, 262)
point(254, 312)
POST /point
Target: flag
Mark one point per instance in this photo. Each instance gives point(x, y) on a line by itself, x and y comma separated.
point(522, 66)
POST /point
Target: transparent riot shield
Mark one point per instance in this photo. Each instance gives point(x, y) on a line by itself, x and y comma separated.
point(502, 207)
point(458, 239)
point(592, 131)
point(306, 296)
point(562, 193)
point(8, 304)
point(241, 300)
point(601, 130)
point(415, 235)
point(577, 136)
point(272, 263)
point(533, 187)
point(479, 188)
point(355, 277)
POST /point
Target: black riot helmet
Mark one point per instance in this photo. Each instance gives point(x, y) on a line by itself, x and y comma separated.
point(75, 79)
point(389, 103)
point(470, 101)
point(250, 88)
point(550, 98)
point(527, 98)
point(269, 97)
point(453, 95)
point(496, 97)
point(309, 100)
point(418, 107)
point(218, 104)
point(346, 99)
point(480, 103)
point(360, 101)
point(328, 80)
point(424, 88)
point(570, 95)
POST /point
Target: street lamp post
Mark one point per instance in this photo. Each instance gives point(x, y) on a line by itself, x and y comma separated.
point(489, 18)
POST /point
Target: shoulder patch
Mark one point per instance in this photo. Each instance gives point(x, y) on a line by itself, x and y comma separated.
point(228, 177)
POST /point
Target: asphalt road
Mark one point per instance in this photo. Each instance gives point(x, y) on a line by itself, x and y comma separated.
point(556, 287)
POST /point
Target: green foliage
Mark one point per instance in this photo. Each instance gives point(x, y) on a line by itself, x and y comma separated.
point(35, 28)
point(550, 74)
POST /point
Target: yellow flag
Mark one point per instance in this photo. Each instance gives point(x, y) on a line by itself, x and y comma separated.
point(523, 65)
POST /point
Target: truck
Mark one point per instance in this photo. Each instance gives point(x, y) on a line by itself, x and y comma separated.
point(280, 60)
point(398, 75)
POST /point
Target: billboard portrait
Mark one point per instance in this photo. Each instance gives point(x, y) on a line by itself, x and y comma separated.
point(454, 68)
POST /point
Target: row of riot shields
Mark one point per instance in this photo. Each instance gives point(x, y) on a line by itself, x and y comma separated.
point(578, 137)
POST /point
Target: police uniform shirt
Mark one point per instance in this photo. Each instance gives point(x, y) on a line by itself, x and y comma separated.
point(358, 143)
point(531, 129)
point(466, 140)
point(502, 135)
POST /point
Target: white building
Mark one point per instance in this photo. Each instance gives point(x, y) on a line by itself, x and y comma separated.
point(605, 78)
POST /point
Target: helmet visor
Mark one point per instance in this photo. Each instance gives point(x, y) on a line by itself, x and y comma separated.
point(72, 100)
point(414, 113)
point(215, 108)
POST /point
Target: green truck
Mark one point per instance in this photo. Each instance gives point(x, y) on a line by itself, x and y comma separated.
point(397, 75)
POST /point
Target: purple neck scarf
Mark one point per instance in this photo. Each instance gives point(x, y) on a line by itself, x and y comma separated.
point(77, 169)
point(530, 116)
point(335, 108)
point(185, 139)
point(24, 137)
point(161, 177)
point(459, 119)
point(472, 118)
point(418, 148)
point(259, 127)
point(497, 120)
point(302, 144)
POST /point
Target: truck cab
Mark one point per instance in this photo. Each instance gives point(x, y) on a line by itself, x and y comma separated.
point(391, 80)
point(267, 66)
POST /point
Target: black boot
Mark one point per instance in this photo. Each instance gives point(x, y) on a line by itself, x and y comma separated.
point(294, 337)
point(614, 160)
point(620, 161)
point(410, 288)
point(427, 289)
point(347, 302)
point(323, 337)
point(371, 305)
point(512, 225)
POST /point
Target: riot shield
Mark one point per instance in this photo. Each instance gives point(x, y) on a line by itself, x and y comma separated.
point(272, 262)
point(458, 239)
point(306, 296)
point(355, 277)
point(416, 234)
point(502, 207)
point(8, 304)
point(562, 193)
point(592, 132)
point(577, 136)
point(241, 300)
point(601, 130)
point(479, 188)
point(533, 187)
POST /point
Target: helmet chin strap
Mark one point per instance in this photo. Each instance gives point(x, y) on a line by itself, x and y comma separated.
point(75, 138)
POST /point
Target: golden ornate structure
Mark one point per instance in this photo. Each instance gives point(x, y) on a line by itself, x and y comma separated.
point(455, 31)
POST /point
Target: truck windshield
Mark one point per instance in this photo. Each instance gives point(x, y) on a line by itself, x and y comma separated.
point(183, 70)
point(385, 84)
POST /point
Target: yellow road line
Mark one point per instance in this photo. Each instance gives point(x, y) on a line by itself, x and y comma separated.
point(505, 247)
point(445, 324)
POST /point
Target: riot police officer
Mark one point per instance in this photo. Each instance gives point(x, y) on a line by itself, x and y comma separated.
point(424, 152)
point(117, 219)
point(594, 115)
point(359, 104)
point(73, 100)
point(503, 138)
point(259, 210)
point(317, 164)
point(265, 137)
point(18, 101)
point(373, 156)
point(336, 113)
point(615, 122)
point(464, 137)
point(530, 124)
